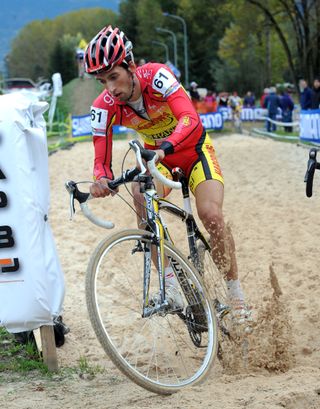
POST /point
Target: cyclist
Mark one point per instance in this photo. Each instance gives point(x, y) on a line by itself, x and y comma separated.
point(150, 100)
point(235, 103)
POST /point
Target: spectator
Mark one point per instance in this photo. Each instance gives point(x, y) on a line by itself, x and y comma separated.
point(210, 102)
point(249, 100)
point(266, 92)
point(223, 100)
point(305, 94)
point(194, 94)
point(235, 101)
point(142, 61)
point(287, 106)
point(315, 96)
point(272, 102)
point(80, 62)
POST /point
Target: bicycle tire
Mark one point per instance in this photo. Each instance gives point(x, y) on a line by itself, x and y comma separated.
point(215, 284)
point(177, 362)
point(309, 178)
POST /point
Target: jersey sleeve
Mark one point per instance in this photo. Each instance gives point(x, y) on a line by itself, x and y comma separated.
point(189, 125)
point(102, 117)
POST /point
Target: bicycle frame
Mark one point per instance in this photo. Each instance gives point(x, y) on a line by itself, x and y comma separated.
point(156, 224)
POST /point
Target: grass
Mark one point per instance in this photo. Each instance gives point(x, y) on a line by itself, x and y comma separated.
point(19, 361)
point(18, 358)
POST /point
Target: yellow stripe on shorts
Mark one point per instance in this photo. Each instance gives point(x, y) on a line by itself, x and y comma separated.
point(208, 167)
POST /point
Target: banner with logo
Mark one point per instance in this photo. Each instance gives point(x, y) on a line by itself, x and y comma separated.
point(212, 121)
point(310, 125)
point(31, 280)
point(81, 125)
point(247, 114)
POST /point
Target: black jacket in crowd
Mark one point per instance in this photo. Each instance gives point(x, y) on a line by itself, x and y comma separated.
point(315, 98)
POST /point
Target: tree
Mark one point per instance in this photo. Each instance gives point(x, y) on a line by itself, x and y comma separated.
point(251, 55)
point(33, 48)
point(29, 54)
point(149, 16)
point(205, 19)
point(62, 58)
point(297, 24)
point(206, 22)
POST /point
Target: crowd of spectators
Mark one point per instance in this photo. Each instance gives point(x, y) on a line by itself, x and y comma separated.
point(271, 99)
point(212, 101)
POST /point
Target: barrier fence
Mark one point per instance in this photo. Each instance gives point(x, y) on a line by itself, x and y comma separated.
point(310, 125)
point(79, 127)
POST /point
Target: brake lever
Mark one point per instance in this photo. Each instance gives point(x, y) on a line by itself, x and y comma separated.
point(71, 187)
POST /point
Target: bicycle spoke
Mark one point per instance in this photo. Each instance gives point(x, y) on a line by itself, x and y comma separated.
point(157, 350)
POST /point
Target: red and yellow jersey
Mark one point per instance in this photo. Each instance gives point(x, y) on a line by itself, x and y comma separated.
point(173, 123)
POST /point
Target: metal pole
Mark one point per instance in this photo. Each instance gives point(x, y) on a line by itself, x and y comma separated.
point(185, 38)
point(164, 46)
point(174, 38)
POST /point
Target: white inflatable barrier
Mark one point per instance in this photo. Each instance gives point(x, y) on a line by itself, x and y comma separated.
point(31, 280)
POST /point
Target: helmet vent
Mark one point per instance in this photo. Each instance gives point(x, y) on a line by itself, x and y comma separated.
point(104, 42)
point(111, 52)
point(101, 55)
point(119, 53)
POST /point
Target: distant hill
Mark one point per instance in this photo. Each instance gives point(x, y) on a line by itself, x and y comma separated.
point(15, 14)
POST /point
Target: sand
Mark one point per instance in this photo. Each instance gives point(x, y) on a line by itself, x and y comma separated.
point(275, 227)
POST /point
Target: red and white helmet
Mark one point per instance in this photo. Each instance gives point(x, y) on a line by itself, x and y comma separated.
point(110, 47)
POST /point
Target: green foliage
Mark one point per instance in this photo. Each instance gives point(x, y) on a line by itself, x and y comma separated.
point(251, 55)
point(206, 21)
point(39, 47)
point(29, 56)
point(149, 16)
point(232, 44)
point(297, 25)
point(17, 360)
point(86, 368)
point(62, 58)
point(15, 357)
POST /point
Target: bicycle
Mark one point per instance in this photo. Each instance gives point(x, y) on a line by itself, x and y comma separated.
point(236, 119)
point(313, 164)
point(165, 349)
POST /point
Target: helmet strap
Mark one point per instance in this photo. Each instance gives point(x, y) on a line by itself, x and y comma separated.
point(133, 86)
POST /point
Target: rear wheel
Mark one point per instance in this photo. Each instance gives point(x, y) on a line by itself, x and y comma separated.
point(217, 290)
point(231, 341)
point(165, 351)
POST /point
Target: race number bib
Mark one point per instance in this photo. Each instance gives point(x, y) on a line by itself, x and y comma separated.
point(99, 121)
point(164, 82)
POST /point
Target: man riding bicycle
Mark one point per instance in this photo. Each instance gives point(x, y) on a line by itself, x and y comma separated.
point(150, 100)
point(235, 103)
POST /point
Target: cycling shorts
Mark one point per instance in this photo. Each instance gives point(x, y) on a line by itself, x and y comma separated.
point(199, 163)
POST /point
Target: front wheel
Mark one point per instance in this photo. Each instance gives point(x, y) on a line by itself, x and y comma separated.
point(162, 352)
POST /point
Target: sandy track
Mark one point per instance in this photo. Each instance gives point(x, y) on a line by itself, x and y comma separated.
point(273, 223)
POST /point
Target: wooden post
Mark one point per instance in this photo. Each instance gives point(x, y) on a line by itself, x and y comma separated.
point(48, 347)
